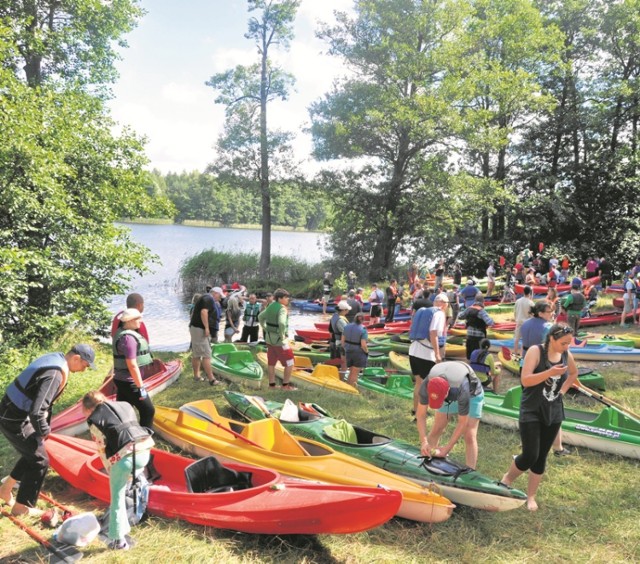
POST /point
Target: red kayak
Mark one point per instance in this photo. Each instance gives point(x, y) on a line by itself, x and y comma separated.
point(601, 318)
point(543, 289)
point(71, 421)
point(392, 327)
point(266, 503)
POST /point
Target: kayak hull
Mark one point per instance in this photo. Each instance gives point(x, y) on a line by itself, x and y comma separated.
point(267, 444)
point(273, 505)
point(236, 365)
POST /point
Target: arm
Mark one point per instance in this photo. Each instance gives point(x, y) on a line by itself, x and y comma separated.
point(531, 360)
point(421, 423)
point(204, 317)
point(457, 433)
point(48, 386)
point(573, 374)
point(134, 370)
point(486, 318)
point(282, 326)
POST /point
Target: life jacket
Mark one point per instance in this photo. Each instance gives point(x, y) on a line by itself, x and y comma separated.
point(474, 320)
point(117, 422)
point(379, 296)
point(477, 359)
point(143, 355)
point(337, 334)
point(353, 334)
point(272, 328)
point(637, 288)
point(421, 325)
point(17, 391)
point(577, 304)
point(251, 312)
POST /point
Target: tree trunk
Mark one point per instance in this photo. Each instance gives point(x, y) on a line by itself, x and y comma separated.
point(265, 254)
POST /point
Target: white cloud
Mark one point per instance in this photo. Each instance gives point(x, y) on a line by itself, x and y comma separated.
point(181, 93)
point(226, 58)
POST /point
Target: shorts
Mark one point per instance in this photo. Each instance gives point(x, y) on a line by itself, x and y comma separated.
point(357, 358)
point(200, 343)
point(420, 366)
point(279, 354)
point(326, 298)
point(376, 311)
point(476, 404)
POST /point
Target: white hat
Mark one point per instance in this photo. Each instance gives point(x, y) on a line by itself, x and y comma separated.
point(343, 305)
point(441, 298)
point(130, 314)
point(470, 281)
point(217, 290)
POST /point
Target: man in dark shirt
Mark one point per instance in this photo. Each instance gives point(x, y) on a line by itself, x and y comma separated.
point(203, 328)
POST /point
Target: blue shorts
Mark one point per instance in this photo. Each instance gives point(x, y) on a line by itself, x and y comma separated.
point(476, 404)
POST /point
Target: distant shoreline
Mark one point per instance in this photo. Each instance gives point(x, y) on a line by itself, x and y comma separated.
point(214, 224)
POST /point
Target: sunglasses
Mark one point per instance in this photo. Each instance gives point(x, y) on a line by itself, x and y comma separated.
point(562, 331)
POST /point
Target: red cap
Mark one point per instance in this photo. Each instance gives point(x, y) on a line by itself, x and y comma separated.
point(437, 388)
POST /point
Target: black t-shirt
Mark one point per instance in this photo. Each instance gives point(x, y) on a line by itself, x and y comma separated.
point(206, 301)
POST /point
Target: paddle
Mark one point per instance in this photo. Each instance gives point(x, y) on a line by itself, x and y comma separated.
point(59, 553)
point(605, 401)
point(198, 413)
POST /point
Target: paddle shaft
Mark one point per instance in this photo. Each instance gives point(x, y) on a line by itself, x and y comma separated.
point(50, 500)
point(60, 554)
point(606, 401)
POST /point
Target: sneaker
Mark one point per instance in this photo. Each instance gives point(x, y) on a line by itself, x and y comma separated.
point(119, 544)
point(564, 452)
point(289, 387)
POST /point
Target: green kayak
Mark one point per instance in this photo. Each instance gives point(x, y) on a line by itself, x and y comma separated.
point(609, 430)
point(237, 366)
point(459, 483)
point(377, 380)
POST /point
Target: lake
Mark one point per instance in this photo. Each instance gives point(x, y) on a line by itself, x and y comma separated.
point(166, 314)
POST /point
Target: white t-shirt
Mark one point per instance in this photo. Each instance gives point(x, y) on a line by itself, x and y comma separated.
point(522, 309)
point(422, 348)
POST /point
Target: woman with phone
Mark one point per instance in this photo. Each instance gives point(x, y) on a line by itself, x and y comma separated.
point(549, 370)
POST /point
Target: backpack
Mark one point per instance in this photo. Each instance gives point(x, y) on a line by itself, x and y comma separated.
point(421, 324)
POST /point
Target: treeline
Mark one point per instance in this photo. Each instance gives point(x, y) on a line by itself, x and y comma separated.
point(205, 197)
point(485, 126)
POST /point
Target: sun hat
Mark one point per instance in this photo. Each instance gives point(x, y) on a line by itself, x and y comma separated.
point(343, 306)
point(437, 388)
point(217, 290)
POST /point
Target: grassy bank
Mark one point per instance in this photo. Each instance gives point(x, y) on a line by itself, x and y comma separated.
point(588, 501)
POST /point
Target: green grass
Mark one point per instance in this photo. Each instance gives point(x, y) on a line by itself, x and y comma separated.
point(588, 502)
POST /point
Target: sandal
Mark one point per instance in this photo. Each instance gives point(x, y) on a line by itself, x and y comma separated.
point(214, 382)
point(288, 386)
point(198, 379)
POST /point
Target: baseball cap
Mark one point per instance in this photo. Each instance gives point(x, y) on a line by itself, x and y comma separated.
point(343, 306)
point(86, 353)
point(437, 388)
point(217, 290)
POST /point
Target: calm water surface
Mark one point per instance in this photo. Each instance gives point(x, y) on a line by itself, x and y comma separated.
point(165, 314)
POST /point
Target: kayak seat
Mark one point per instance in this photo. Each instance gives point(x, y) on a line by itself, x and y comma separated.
point(270, 435)
point(235, 358)
point(207, 475)
point(326, 371)
point(223, 348)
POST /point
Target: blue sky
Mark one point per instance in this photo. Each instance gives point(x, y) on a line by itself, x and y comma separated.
point(178, 45)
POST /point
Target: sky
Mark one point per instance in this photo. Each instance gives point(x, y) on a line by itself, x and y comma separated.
point(179, 45)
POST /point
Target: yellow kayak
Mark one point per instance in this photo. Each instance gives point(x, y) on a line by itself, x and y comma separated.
point(199, 429)
point(305, 375)
point(512, 363)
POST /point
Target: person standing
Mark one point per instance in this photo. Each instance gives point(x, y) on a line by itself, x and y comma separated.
point(274, 320)
point(549, 371)
point(636, 299)
point(203, 328)
point(392, 297)
point(413, 275)
point(491, 278)
point(375, 299)
point(627, 299)
point(327, 284)
point(125, 449)
point(521, 312)
point(132, 362)
point(469, 292)
point(452, 388)
point(235, 308)
point(606, 273)
point(337, 323)
point(574, 304)
point(591, 267)
point(352, 280)
point(25, 417)
point(477, 322)
point(250, 318)
point(136, 301)
point(354, 304)
point(354, 343)
point(425, 353)
point(439, 272)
